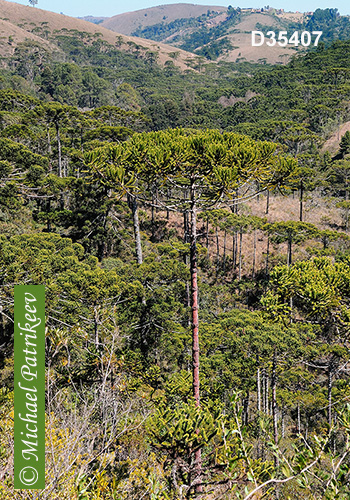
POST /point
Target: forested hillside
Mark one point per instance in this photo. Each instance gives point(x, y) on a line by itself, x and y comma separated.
point(192, 233)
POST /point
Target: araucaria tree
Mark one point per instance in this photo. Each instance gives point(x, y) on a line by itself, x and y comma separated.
point(194, 171)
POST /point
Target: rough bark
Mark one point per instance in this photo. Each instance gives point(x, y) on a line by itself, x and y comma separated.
point(195, 326)
point(136, 223)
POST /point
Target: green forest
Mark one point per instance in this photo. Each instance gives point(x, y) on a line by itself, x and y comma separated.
point(192, 232)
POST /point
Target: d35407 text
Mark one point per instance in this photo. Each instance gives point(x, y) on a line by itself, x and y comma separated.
point(281, 38)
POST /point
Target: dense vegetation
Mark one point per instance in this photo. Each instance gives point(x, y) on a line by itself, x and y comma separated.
point(163, 30)
point(121, 185)
point(310, 92)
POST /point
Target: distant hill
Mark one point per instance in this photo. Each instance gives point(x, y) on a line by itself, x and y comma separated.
point(224, 34)
point(94, 19)
point(130, 22)
point(215, 32)
point(20, 23)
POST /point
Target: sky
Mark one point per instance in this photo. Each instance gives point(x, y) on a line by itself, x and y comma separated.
point(108, 8)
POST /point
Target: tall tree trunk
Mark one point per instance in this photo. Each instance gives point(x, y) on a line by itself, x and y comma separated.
point(267, 410)
point(329, 388)
point(346, 209)
point(102, 246)
point(245, 408)
point(267, 255)
point(194, 306)
point(346, 218)
point(152, 216)
point(240, 255)
point(136, 223)
point(267, 202)
point(289, 263)
point(186, 234)
point(82, 139)
point(195, 326)
point(258, 386)
point(49, 148)
point(274, 401)
point(59, 150)
point(301, 201)
point(283, 425)
point(217, 249)
point(254, 254)
point(289, 257)
point(299, 418)
point(224, 256)
point(156, 199)
point(234, 249)
point(264, 390)
point(186, 261)
point(97, 341)
point(168, 193)
point(48, 222)
point(258, 390)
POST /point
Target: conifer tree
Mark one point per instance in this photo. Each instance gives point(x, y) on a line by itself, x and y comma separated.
point(204, 170)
